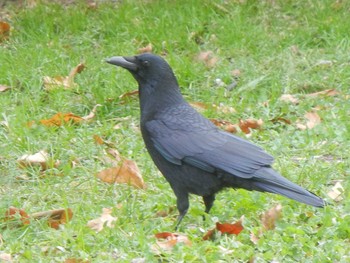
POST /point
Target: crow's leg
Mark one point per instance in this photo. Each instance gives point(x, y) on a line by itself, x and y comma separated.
point(208, 201)
point(182, 206)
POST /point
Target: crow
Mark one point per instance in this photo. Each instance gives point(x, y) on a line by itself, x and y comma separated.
point(193, 154)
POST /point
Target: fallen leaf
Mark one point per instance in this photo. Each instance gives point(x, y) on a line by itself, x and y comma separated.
point(295, 50)
point(65, 82)
point(327, 92)
point(40, 158)
point(200, 106)
point(281, 119)
point(336, 192)
point(91, 115)
point(313, 119)
point(166, 241)
point(208, 58)
point(289, 98)
point(13, 212)
point(98, 139)
point(248, 124)
point(4, 88)
point(105, 219)
point(129, 94)
point(56, 217)
point(270, 217)
point(254, 238)
point(225, 125)
point(4, 257)
point(146, 49)
point(224, 109)
point(236, 73)
point(225, 228)
point(4, 30)
point(324, 63)
point(127, 172)
point(61, 118)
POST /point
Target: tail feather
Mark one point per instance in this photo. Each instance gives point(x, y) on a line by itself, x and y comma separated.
point(268, 180)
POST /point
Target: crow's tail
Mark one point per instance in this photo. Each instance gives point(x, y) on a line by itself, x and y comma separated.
point(268, 180)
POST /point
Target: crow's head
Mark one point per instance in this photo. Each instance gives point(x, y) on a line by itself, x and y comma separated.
point(146, 68)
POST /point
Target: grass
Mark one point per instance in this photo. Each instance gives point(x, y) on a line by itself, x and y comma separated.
point(256, 37)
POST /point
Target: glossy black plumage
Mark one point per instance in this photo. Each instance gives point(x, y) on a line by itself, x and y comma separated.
point(191, 152)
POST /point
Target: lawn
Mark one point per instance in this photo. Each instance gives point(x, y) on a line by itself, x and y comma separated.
point(263, 50)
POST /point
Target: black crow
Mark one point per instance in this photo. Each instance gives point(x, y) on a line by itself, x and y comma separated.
point(191, 152)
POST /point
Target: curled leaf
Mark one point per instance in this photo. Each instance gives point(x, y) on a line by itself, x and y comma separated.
point(56, 217)
point(247, 125)
point(14, 212)
point(327, 92)
point(40, 158)
point(51, 83)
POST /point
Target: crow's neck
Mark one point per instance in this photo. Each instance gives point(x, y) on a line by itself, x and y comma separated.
point(157, 96)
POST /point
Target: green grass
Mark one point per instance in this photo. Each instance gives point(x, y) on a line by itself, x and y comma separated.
point(253, 36)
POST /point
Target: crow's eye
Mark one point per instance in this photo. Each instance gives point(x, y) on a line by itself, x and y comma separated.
point(145, 63)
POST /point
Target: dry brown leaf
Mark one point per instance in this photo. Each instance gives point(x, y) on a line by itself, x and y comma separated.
point(270, 217)
point(200, 106)
point(60, 119)
point(336, 192)
point(14, 212)
point(127, 172)
point(289, 98)
point(281, 119)
point(313, 119)
point(225, 228)
point(254, 238)
point(4, 30)
point(91, 115)
point(4, 88)
point(4, 257)
point(225, 125)
point(166, 241)
point(56, 217)
point(40, 158)
point(236, 73)
point(105, 219)
point(208, 58)
point(248, 124)
point(65, 82)
point(327, 92)
point(146, 49)
point(129, 94)
point(98, 139)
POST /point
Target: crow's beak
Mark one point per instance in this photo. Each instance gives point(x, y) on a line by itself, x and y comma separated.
point(124, 62)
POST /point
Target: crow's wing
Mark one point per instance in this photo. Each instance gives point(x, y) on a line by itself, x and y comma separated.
point(182, 135)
